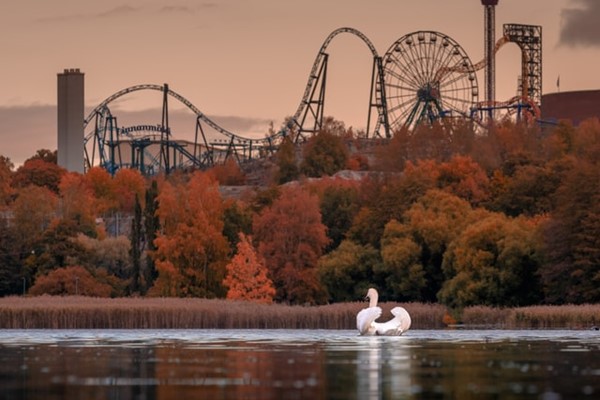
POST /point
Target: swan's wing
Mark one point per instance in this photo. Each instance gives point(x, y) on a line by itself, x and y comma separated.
point(403, 317)
point(365, 319)
point(395, 326)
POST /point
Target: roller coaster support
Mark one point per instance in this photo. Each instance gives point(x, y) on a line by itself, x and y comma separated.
point(377, 100)
point(164, 134)
point(529, 40)
point(315, 104)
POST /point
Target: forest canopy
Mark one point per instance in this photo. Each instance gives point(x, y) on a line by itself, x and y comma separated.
point(444, 214)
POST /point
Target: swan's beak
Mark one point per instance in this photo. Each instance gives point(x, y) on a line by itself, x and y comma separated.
point(367, 298)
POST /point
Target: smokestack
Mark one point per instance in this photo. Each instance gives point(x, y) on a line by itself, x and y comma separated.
point(489, 46)
point(70, 120)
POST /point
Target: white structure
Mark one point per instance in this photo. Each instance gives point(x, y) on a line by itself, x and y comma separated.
point(70, 120)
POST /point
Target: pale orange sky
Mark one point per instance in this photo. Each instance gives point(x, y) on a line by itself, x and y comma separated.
point(246, 62)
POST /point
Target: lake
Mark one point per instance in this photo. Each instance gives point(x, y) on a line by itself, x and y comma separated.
point(298, 364)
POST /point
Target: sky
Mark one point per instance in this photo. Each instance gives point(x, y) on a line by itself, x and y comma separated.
point(245, 63)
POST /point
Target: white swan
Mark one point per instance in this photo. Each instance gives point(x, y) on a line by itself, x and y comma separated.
point(365, 319)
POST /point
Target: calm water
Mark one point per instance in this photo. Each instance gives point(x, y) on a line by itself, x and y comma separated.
point(292, 364)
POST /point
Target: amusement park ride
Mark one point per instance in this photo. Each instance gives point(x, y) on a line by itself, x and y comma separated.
point(424, 76)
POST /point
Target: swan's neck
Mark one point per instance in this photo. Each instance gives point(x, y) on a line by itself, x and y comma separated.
point(373, 297)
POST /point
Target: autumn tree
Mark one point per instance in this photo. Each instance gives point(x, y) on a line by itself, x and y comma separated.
point(110, 254)
point(464, 178)
point(191, 250)
point(571, 271)
point(392, 155)
point(45, 155)
point(229, 173)
point(429, 141)
point(74, 280)
point(237, 218)
point(413, 249)
point(247, 275)
point(348, 271)
point(6, 189)
point(40, 173)
point(529, 191)
point(324, 154)
point(388, 197)
point(291, 239)
point(404, 274)
point(287, 166)
point(151, 228)
point(78, 203)
point(33, 210)
point(135, 250)
point(56, 248)
point(101, 188)
point(129, 183)
point(339, 206)
point(493, 262)
point(12, 276)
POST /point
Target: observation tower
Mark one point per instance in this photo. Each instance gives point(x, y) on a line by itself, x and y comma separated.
point(489, 50)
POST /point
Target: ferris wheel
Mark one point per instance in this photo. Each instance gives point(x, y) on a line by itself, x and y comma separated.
point(427, 76)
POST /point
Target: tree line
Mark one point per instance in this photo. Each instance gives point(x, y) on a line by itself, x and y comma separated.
point(446, 213)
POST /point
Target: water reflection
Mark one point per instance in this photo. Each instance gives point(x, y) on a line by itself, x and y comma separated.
point(383, 368)
point(298, 364)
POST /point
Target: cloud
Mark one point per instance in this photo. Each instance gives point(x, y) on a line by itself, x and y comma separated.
point(187, 9)
point(579, 26)
point(114, 12)
point(117, 12)
point(126, 10)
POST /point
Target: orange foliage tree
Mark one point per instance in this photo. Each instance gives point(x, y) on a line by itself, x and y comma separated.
point(33, 210)
point(229, 173)
point(6, 189)
point(291, 238)
point(101, 187)
point(190, 250)
point(247, 275)
point(78, 203)
point(464, 178)
point(70, 281)
point(127, 184)
point(38, 172)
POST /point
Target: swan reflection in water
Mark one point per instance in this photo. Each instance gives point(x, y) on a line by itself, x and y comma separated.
point(383, 368)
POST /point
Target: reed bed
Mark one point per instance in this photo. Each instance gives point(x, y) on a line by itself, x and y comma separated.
point(77, 312)
point(584, 316)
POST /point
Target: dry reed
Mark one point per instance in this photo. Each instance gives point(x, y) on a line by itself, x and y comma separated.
point(570, 316)
point(77, 312)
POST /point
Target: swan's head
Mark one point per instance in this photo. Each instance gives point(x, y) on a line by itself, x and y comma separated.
point(371, 294)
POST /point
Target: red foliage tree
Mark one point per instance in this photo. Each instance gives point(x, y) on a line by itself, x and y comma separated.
point(247, 275)
point(38, 172)
point(291, 239)
point(191, 250)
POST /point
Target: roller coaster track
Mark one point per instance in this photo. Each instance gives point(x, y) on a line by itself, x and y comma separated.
point(293, 121)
